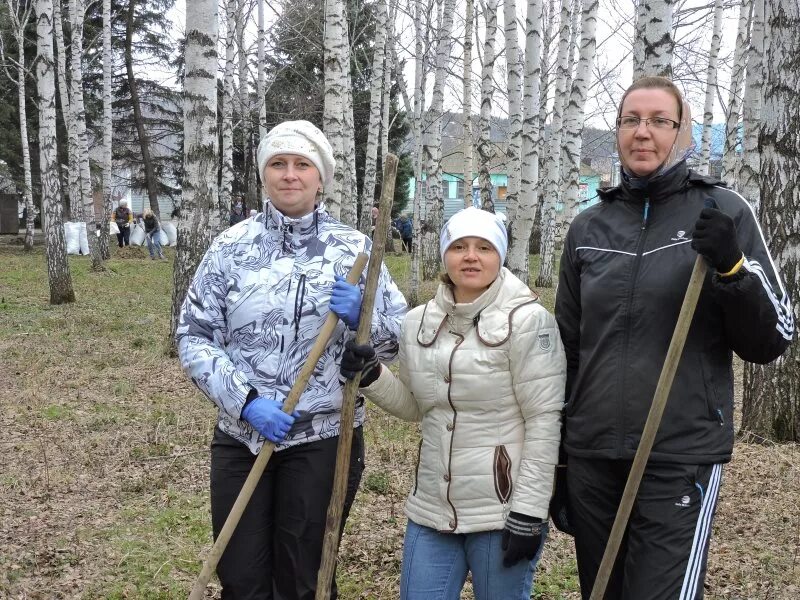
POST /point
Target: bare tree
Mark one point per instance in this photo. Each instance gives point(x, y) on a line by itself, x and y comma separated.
point(711, 90)
point(749, 172)
point(729, 153)
point(466, 101)
point(771, 404)
point(58, 273)
point(108, 129)
point(199, 195)
point(485, 149)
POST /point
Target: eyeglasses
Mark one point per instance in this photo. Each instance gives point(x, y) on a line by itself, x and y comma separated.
point(654, 122)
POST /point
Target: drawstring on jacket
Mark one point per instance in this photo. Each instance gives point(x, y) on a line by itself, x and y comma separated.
point(299, 296)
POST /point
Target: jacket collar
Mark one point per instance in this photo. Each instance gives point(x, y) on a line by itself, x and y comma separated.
point(293, 231)
point(658, 189)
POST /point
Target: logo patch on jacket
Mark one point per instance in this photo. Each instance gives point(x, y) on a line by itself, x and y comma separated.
point(544, 341)
point(680, 236)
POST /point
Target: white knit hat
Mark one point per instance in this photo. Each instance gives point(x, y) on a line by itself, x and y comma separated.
point(298, 137)
point(474, 222)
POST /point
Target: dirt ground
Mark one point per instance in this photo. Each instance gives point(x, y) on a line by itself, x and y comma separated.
point(104, 461)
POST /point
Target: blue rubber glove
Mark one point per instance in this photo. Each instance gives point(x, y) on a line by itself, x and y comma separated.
point(346, 301)
point(268, 419)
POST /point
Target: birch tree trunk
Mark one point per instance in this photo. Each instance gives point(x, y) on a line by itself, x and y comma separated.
point(58, 273)
point(638, 39)
point(729, 154)
point(350, 194)
point(73, 171)
point(521, 219)
point(108, 130)
point(657, 42)
point(262, 77)
point(771, 404)
point(514, 81)
point(466, 103)
point(226, 178)
point(432, 149)
point(199, 196)
point(249, 191)
point(375, 105)
point(573, 138)
point(750, 171)
point(77, 10)
point(419, 100)
point(386, 93)
point(333, 113)
point(711, 91)
point(485, 151)
point(144, 140)
point(564, 217)
point(552, 187)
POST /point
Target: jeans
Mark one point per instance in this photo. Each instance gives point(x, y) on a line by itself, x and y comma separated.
point(154, 244)
point(435, 566)
point(124, 236)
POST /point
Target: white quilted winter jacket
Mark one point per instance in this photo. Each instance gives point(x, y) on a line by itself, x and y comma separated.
point(487, 381)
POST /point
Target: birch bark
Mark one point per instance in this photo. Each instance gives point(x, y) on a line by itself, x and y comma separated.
point(750, 171)
point(657, 41)
point(226, 178)
point(514, 81)
point(729, 154)
point(711, 90)
point(333, 114)
point(485, 152)
point(466, 102)
point(108, 129)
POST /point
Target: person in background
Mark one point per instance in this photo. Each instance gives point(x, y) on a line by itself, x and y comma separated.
point(253, 212)
point(252, 312)
point(237, 213)
point(624, 271)
point(482, 367)
point(123, 217)
point(406, 232)
point(152, 234)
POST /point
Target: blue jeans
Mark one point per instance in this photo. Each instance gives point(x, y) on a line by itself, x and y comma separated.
point(154, 244)
point(435, 566)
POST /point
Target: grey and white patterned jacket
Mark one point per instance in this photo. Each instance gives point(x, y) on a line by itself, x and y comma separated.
point(254, 309)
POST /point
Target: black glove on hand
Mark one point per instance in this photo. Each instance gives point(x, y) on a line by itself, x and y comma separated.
point(522, 537)
point(360, 358)
point(559, 503)
point(714, 237)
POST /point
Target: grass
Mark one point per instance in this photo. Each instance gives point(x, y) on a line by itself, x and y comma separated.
point(104, 463)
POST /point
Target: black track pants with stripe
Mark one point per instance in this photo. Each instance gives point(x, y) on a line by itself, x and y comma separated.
point(665, 548)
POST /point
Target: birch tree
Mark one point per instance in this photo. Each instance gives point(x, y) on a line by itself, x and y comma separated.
point(729, 155)
point(108, 129)
point(58, 273)
point(771, 404)
point(514, 81)
point(466, 102)
point(200, 148)
point(638, 40)
point(226, 176)
point(750, 170)
point(485, 152)
point(657, 41)
point(333, 115)
point(19, 15)
point(548, 217)
point(350, 193)
point(711, 90)
point(522, 217)
point(261, 88)
point(375, 105)
point(419, 100)
point(248, 181)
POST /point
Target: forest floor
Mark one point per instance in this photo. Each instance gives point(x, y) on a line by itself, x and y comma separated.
point(104, 461)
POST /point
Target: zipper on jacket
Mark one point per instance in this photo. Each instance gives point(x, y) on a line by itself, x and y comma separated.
point(629, 305)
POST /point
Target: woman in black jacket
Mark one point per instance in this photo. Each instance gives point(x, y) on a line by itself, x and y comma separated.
point(624, 271)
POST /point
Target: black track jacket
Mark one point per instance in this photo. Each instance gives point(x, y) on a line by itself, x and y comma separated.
point(624, 272)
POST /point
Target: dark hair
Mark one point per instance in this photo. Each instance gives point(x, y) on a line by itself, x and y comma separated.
point(445, 278)
point(654, 83)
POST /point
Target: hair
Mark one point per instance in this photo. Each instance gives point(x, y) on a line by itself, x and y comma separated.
point(445, 278)
point(654, 83)
point(147, 212)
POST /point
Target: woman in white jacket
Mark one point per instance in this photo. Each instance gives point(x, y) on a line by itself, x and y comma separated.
point(482, 367)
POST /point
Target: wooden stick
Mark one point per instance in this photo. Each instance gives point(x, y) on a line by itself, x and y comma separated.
point(650, 427)
point(333, 522)
point(198, 590)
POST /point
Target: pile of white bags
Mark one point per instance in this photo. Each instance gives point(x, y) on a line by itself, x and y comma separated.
point(169, 228)
point(75, 234)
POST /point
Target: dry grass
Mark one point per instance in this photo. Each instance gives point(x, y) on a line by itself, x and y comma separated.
point(104, 464)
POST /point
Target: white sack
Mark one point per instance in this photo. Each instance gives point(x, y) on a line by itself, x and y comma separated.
point(83, 239)
point(171, 231)
point(72, 236)
point(137, 234)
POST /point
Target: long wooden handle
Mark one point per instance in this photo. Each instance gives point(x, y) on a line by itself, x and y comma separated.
point(650, 427)
point(333, 522)
point(198, 590)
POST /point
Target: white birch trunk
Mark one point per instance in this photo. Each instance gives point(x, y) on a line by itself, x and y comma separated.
point(350, 195)
point(573, 138)
point(333, 112)
point(375, 106)
point(76, 13)
point(521, 219)
point(73, 171)
point(514, 81)
point(657, 41)
point(564, 217)
point(729, 154)
point(638, 40)
point(771, 404)
point(711, 90)
point(466, 102)
point(419, 100)
point(386, 98)
point(226, 179)
point(750, 171)
point(108, 128)
point(262, 76)
point(199, 197)
point(249, 191)
point(58, 273)
point(485, 151)
point(552, 187)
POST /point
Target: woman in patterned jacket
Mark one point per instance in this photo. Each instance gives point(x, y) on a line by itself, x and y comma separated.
point(252, 313)
point(482, 367)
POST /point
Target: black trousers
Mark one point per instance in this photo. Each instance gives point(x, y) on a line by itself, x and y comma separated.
point(665, 548)
point(275, 551)
point(124, 236)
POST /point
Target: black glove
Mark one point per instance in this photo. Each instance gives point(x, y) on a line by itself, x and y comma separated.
point(559, 503)
point(360, 358)
point(522, 537)
point(714, 237)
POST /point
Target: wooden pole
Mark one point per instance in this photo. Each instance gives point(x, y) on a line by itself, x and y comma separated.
point(650, 427)
point(198, 590)
point(333, 522)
